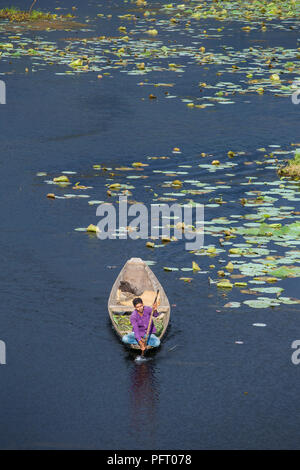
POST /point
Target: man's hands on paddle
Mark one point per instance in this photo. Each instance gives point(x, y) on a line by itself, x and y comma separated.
point(142, 344)
point(154, 306)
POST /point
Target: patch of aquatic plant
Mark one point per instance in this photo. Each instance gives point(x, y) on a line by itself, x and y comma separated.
point(292, 169)
point(16, 15)
point(272, 230)
point(241, 10)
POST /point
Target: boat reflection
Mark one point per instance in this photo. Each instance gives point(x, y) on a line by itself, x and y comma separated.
point(144, 398)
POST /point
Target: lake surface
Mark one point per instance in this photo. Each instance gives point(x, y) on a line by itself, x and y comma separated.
point(217, 382)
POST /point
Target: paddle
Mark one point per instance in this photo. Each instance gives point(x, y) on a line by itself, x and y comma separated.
point(150, 321)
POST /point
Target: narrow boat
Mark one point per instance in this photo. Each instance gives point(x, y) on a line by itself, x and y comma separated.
point(137, 280)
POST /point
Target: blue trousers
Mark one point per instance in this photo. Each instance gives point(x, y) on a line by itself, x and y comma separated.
point(153, 340)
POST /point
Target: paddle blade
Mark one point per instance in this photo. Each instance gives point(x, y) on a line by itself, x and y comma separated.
point(140, 359)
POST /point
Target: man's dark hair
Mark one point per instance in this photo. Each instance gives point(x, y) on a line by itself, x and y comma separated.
point(136, 301)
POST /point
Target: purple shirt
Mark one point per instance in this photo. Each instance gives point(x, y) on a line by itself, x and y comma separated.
point(140, 324)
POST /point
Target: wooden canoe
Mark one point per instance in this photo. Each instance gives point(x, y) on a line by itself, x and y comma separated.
point(137, 280)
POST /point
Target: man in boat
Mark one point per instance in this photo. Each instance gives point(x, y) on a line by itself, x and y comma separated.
point(139, 319)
